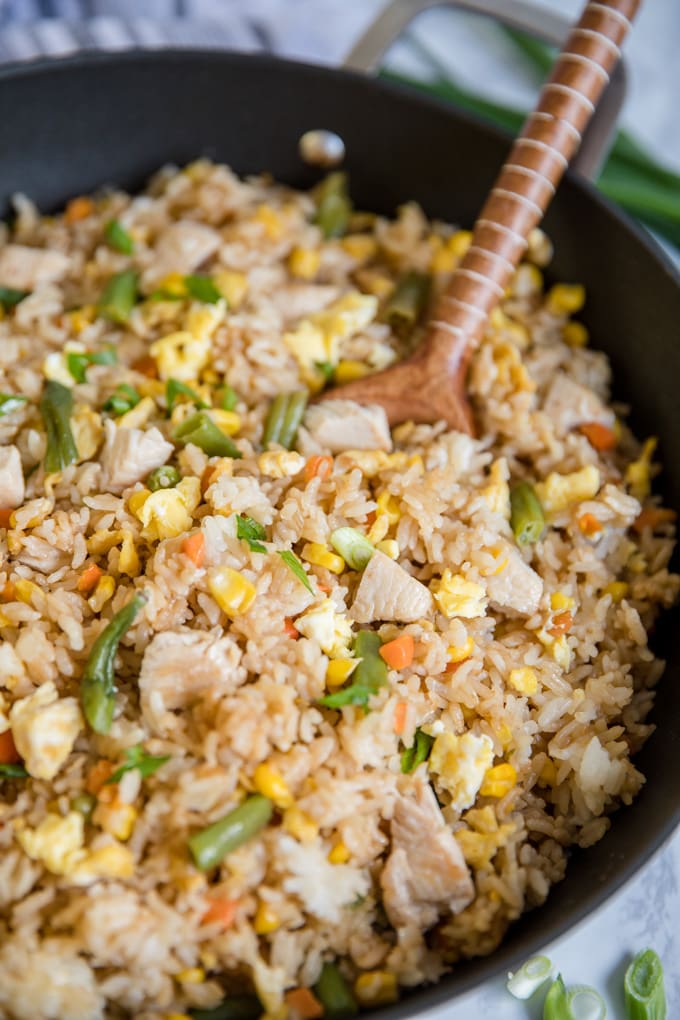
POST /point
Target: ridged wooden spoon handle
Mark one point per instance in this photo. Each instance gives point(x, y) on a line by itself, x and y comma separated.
point(534, 167)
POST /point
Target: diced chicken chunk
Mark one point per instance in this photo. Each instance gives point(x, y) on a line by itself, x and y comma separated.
point(300, 299)
point(45, 728)
point(130, 454)
point(183, 247)
point(339, 425)
point(182, 667)
point(387, 592)
point(425, 875)
point(569, 404)
point(25, 268)
point(517, 586)
point(11, 478)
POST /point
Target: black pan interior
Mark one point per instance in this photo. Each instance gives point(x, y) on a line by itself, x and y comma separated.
point(71, 126)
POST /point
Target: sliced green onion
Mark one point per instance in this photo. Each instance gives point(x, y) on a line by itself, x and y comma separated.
point(355, 548)
point(577, 1003)
point(227, 398)
point(202, 431)
point(122, 400)
point(11, 771)
point(326, 368)
point(165, 477)
point(78, 363)
point(56, 405)
point(118, 237)
point(252, 532)
point(9, 296)
point(202, 288)
point(137, 758)
point(209, 846)
point(293, 563)
point(643, 987)
point(368, 677)
point(333, 993)
point(526, 514)
point(119, 296)
point(284, 418)
point(334, 207)
point(10, 402)
point(174, 388)
point(530, 976)
point(235, 1007)
point(412, 757)
point(407, 302)
point(97, 687)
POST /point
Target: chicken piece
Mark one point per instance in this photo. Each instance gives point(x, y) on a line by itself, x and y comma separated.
point(12, 486)
point(26, 268)
point(44, 729)
point(182, 248)
point(425, 875)
point(569, 404)
point(387, 592)
point(517, 586)
point(130, 454)
point(301, 299)
point(182, 667)
point(339, 425)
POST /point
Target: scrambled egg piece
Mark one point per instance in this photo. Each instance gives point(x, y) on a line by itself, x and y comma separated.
point(280, 463)
point(484, 838)
point(329, 628)
point(166, 513)
point(137, 416)
point(183, 354)
point(557, 646)
point(558, 492)
point(317, 338)
point(45, 728)
point(461, 763)
point(88, 431)
point(58, 844)
point(497, 493)
point(457, 597)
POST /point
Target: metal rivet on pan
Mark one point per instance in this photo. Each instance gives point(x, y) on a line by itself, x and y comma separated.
point(322, 148)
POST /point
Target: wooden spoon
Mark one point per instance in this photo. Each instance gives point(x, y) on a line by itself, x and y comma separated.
point(431, 384)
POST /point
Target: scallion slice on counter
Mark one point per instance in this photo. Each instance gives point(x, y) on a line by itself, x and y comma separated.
point(56, 405)
point(643, 988)
point(577, 1003)
point(355, 548)
point(202, 431)
point(119, 296)
point(118, 237)
point(526, 514)
point(334, 207)
point(97, 687)
point(10, 402)
point(210, 846)
point(530, 976)
point(284, 418)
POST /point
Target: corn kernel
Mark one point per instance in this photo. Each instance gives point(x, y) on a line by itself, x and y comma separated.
point(566, 298)
point(360, 246)
point(390, 547)
point(128, 561)
point(339, 854)
point(173, 284)
point(618, 591)
point(266, 919)
point(375, 282)
point(102, 593)
point(376, 988)
point(270, 220)
point(498, 780)
point(25, 590)
point(233, 592)
point(270, 783)
point(539, 247)
point(348, 370)
point(389, 506)
point(443, 261)
point(548, 773)
point(458, 653)
point(304, 262)
point(300, 825)
point(459, 243)
point(558, 600)
point(208, 959)
point(524, 680)
point(227, 421)
point(320, 556)
point(233, 286)
point(191, 976)
point(339, 670)
point(81, 318)
point(378, 530)
point(575, 334)
point(137, 500)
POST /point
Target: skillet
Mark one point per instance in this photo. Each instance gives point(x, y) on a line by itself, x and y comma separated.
point(70, 126)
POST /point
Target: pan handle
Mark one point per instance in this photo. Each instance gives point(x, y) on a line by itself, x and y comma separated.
point(366, 56)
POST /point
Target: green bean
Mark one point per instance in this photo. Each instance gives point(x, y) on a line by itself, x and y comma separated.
point(643, 987)
point(526, 514)
point(97, 688)
point(122, 400)
point(202, 288)
point(118, 237)
point(334, 995)
point(407, 302)
point(334, 207)
point(355, 548)
point(368, 677)
point(10, 402)
point(235, 1007)
point(165, 477)
point(209, 846)
point(12, 771)
point(284, 418)
point(9, 296)
point(202, 431)
point(119, 296)
point(56, 405)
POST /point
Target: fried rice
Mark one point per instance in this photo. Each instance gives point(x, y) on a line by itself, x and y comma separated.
point(419, 718)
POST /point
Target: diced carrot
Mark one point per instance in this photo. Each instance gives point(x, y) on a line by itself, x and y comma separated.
point(652, 517)
point(599, 436)
point(370, 518)
point(89, 578)
point(561, 624)
point(8, 752)
point(325, 588)
point(590, 525)
point(98, 775)
point(220, 911)
point(304, 1004)
point(318, 467)
point(145, 366)
point(5, 515)
point(398, 654)
point(78, 209)
point(290, 629)
point(8, 592)
point(193, 546)
point(400, 717)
